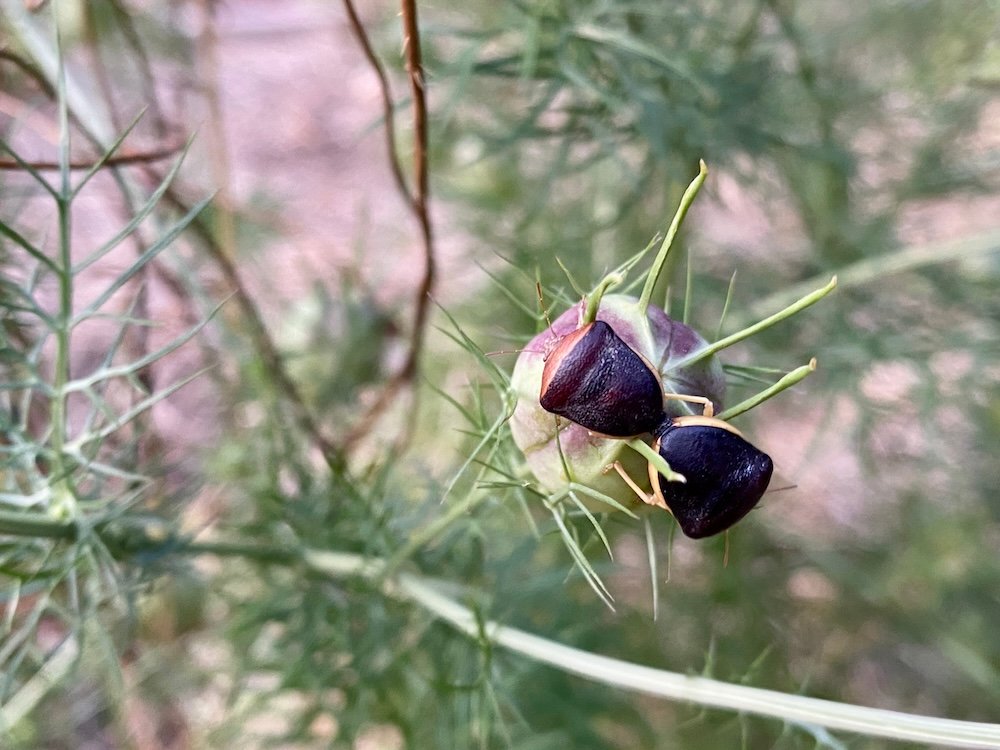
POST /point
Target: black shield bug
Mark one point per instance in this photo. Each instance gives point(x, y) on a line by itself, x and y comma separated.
point(595, 379)
point(724, 476)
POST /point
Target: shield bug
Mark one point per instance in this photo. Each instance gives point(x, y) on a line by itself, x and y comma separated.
point(595, 379)
point(724, 475)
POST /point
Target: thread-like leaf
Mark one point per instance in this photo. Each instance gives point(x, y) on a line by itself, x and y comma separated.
point(108, 153)
point(580, 559)
point(145, 210)
point(161, 244)
point(107, 373)
point(14, 236)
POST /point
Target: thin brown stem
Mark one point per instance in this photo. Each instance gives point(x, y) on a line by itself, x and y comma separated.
point(30, 70)
point(418, 201)
point(207, 46)
point(388, 109)
point(415, 68)
point(264, 344)
point(119, 160)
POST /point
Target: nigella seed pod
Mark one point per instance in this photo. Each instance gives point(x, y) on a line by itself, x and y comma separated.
point(595, 379)
point(725, 475)
point(655, 338)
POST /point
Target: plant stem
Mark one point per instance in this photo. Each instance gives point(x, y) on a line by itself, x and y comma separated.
point(388, 108)
point(654, 576)
point(661, 255)
point(63, 491)
point(785, 382)
point(594, 298)
point(36, 525)
point(219, 164)
point(431, 530)
point(120, 160)
point(137, 539)
point(256, 552)
point(93, 125)
point(795, 709)
point(725, 306)
point(877, 268)
point(420, 207)
point(656, 459)
point(53, 672)
point(798, 306)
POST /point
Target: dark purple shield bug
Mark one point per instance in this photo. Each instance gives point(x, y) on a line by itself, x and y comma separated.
point(595, 379)
point(725, 475)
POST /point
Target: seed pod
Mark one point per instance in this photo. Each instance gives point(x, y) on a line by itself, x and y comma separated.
point(595, 379)
point(658, 340)
point(726, 476)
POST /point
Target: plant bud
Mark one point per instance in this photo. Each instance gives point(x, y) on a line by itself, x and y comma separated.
point(655, 338)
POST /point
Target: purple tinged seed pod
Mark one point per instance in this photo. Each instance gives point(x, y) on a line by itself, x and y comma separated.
point(656, 338)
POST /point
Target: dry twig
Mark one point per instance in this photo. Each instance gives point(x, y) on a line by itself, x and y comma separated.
point(121, 160)
point(417, 200)
point(388, 110)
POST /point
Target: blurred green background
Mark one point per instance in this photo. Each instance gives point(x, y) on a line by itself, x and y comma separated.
point(857, 139)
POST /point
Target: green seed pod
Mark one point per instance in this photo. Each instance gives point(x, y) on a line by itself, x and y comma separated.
point(658, 340)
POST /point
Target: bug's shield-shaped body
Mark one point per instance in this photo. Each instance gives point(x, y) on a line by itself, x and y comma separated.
point(726, 476)
point(595, 379)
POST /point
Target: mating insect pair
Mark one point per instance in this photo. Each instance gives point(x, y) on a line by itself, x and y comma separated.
point(595, 379)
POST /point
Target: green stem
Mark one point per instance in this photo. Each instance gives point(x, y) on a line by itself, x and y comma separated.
point(798, 306)
point(795, 376)
point(53, 672)
point(654, 576)
point(64, 494)
point(594, 298)
point(656, 459)
point(688, 283)
point(429, 532)
point(258, 552)
point(133, 539)
point(661, 255)
point(794, 709)
point(725, 306)
point(877, 268)
point(35, 525)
